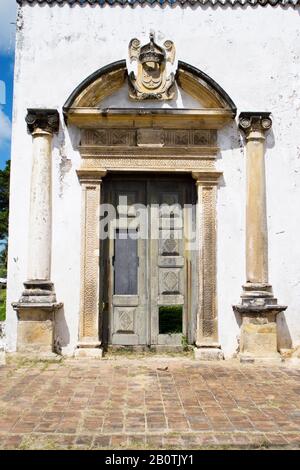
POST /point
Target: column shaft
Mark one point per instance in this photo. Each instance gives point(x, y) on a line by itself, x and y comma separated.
point(39, 256)
point(256, 217)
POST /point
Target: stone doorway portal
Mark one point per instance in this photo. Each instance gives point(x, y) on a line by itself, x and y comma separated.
point(148, 264)
point(145, 137)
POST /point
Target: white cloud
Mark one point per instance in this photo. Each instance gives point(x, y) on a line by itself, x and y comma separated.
point(7, 30)
point(5, 128)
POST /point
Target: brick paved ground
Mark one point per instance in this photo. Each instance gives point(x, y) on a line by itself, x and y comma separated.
point(130, 403)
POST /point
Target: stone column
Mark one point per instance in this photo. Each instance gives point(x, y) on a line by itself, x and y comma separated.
point(37, 305)
point(90, 324)
point(207, 345)
point(258, 308)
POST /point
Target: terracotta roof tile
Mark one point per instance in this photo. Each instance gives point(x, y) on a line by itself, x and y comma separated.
point(263, 3)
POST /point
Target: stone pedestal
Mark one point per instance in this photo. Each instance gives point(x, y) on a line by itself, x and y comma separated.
point(36, 328)
point(204, 353)
point(37, 305)
point(258, 308)
point(258, 340)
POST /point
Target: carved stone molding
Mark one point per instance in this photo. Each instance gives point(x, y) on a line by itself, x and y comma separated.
point(43, 119)
point(148, 164)
point(255, 122)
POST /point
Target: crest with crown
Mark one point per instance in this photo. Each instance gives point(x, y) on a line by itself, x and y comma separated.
point(151, 81)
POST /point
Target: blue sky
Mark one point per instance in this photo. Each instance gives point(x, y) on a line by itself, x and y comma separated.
point(7, 46)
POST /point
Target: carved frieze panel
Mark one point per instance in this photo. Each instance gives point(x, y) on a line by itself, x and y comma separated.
point(149, 137)
point(193, 137)
point(108, 137)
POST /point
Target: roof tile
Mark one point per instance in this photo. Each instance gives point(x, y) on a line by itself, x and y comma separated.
point(102, 3)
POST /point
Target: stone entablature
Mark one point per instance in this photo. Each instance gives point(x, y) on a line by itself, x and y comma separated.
point(149, 149)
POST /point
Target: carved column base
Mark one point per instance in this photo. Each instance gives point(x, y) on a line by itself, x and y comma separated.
point(258, 310)
point(89, 347)
point(37, 292)
point(206, 352)
point(36, 311)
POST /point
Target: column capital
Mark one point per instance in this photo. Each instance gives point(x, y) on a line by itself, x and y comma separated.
point(44, 119)
point(207, 177)
point(90, 175)
point(251, 121)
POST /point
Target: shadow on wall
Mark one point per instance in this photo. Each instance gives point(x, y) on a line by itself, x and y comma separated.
point(229, 138)
point(283, 333)
point(74, 136)
point(62, 333)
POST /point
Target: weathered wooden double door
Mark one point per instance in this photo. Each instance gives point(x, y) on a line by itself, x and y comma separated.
point(147, 266)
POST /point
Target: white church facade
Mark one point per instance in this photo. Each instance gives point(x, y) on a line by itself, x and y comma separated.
point(155, 191)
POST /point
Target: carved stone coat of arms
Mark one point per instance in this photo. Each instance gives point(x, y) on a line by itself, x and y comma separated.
point(151, 81)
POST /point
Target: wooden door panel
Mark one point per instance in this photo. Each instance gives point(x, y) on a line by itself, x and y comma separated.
point(167, 259)
point(128, 305)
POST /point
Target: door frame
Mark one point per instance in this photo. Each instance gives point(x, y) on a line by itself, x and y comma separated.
point(138, 149)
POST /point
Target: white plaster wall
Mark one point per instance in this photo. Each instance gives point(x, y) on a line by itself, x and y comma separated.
point(253, 53)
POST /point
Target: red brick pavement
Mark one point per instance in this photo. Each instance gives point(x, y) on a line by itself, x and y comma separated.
point(131, 403)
